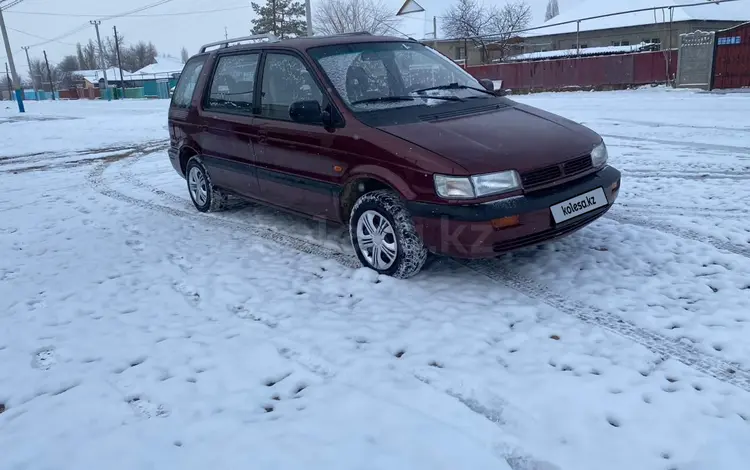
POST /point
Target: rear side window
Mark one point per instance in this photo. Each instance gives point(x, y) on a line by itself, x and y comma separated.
point(233, 84)
point(183, 93)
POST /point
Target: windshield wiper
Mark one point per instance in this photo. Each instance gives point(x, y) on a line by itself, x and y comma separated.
point(386, 99)
point(455, 86)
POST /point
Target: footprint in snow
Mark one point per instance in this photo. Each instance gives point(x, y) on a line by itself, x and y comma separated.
point(44, 359)
point(135, 245)
point(146, 408)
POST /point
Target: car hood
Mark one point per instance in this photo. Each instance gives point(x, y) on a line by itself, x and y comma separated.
point(516, 137)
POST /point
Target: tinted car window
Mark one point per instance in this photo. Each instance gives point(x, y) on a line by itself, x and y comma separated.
point(285, 81)
point(233, 83)
point(183, 93)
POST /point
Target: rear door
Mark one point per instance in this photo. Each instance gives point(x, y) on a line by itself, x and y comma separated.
point(182, 111)
point(297, 164)
point(227, 119)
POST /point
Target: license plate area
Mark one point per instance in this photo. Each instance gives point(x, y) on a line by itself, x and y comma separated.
point(579, 205)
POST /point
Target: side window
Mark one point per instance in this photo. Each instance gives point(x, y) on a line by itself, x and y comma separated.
point(285, 81)
point(183, 93)
point(233, 84)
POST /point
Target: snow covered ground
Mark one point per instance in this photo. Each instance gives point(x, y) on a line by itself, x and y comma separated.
point(137, 333)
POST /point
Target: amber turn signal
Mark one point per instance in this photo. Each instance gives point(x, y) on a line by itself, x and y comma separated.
point(506, 222)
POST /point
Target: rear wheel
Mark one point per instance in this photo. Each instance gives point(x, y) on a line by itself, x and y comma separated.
point(384, 237)
point(205, 197)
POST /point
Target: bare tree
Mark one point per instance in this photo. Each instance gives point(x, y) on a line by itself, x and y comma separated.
point(87, 56)
point(110, 49)
point(481, 25)
point(348, 16)
point(184, 55)
point(553, 9)
point(69, 63)
point(137, 56)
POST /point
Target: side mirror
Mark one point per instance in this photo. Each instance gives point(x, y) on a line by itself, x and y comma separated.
point(306, 112)
point(488, 84)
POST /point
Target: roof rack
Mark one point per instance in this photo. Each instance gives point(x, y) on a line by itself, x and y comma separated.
point(355, 33)
point(256, 37)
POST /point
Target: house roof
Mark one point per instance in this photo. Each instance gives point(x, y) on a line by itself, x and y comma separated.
point(726, 11)
point(589, 51)
point(163, 66)
point(93, 76)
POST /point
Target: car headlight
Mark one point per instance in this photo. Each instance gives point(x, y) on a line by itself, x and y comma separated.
point(458, 187)
point(454, 187)
point(599, 155)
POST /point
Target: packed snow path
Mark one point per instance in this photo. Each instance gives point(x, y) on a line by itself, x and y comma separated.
point(137, 332)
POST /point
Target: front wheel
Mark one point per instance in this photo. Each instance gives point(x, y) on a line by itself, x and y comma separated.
point(384, 236)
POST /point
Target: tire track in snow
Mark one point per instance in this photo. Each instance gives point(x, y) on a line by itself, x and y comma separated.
point(96, 180)
point(663, 346)
point(731, 149)
point(664, 227)
point(688, 175)
point(668, 209)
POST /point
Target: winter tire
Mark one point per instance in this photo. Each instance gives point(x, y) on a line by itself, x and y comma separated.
point(204, 195)
point(383, 235)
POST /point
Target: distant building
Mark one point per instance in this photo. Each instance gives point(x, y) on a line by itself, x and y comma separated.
point(95, 78)
point(159, 78)
point(651, 27)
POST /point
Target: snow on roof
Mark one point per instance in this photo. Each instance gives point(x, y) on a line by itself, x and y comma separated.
point(589, 51)
point(93, 76)
point(163, 66)
point(733, 11)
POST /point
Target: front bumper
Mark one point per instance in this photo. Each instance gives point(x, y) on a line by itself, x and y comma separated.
point(468, 231)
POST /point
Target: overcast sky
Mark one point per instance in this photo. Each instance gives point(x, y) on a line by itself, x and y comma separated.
point(27, 27)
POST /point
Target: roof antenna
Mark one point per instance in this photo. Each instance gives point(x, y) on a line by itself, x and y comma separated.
point(399, 32)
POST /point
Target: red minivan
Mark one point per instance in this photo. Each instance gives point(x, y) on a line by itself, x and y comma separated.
point(388, 136)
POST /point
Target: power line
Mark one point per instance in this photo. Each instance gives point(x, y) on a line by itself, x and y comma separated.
point(151, 15)
point(10, 5)
point(39, 37)
point(86, 25)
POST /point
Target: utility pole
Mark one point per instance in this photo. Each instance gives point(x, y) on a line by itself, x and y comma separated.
point(9, 53)
point(31, 73)
point(119, 62)
point(308, 17)
point(226, 33)
point(96, 24)
point(49, 76)
point(10, 82)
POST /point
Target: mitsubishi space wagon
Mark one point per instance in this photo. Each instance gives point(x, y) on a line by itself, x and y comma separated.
point(389, 137)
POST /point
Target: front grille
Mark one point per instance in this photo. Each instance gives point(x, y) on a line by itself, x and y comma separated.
point(578, 165)
point(539, 177)
point(549, 174)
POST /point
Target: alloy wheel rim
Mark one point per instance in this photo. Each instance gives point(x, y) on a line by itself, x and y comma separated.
point(377, 240)
point(198, 186)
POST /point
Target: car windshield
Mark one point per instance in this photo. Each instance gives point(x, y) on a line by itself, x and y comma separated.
point(375, 76)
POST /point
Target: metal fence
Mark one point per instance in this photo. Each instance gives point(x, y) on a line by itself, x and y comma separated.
point(604, 72)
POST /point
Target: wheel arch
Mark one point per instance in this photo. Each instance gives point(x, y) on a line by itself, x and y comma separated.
point(367, 179)
point(186, 153)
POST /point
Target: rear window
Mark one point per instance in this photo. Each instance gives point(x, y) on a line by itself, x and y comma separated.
point(183, 93)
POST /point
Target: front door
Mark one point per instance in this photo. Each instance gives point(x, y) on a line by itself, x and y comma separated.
point(227, 117)
point(297, 164)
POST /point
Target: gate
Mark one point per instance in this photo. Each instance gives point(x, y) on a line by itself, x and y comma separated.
point(695, 64)
point(732, 63)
